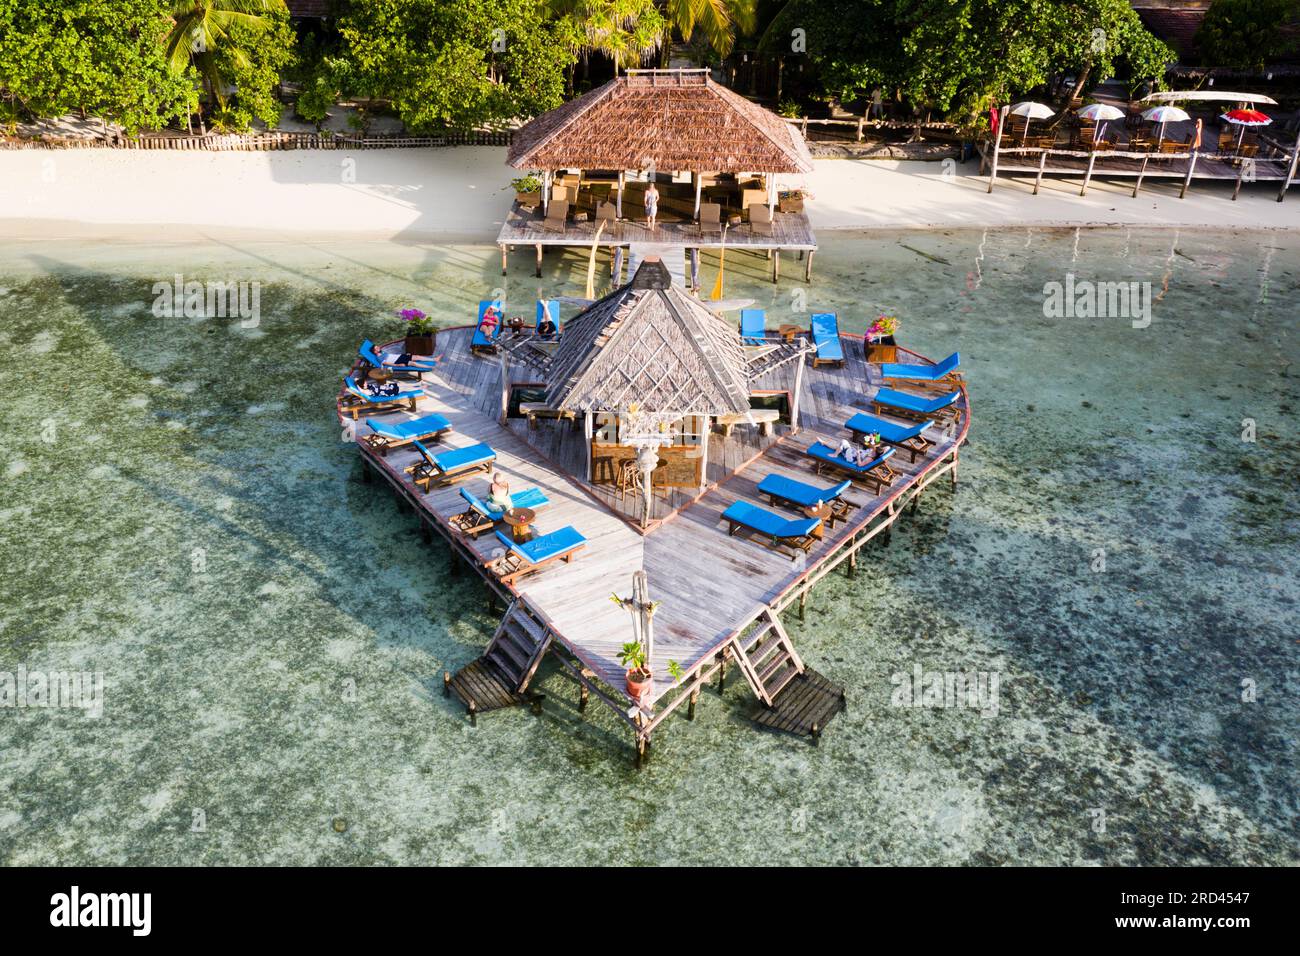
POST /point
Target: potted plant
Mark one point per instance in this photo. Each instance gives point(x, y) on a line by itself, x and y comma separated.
point(879, 343)
point(420, 332)
point(528, 190)
point(632, 656)
point(791, 200)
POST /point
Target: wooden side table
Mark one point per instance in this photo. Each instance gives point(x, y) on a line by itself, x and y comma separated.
point(520, 521)
point(788, 333)
point(823, 513)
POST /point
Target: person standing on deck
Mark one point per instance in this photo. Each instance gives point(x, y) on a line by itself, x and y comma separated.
point(651, 204)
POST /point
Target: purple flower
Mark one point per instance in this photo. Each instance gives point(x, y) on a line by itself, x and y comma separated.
point(411, 315)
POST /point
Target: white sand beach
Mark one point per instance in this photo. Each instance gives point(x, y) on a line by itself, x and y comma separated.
point(461, 193)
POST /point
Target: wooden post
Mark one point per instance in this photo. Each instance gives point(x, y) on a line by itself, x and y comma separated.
point(1092, 159)
point(503, 258)
point(860, 119)
point(588, 432)
point(853, 562)
point(794, 398)
point(1290, 170)
point(1240, 176)
point(1042, 164)
point(722, 674)
point(617, 268)
point(803, 604)
point(1187, 180)
point(771, 195)
point(618, 204)
point(1141, 172)
point(997, 145)
point(699, 183)
point(695, 269)
point(546, 191)
point(582, 698)
point(704, 452)
point(807, 266)
point(776, 265)
point(505, 385)
point(690, 706)
point(539, 260)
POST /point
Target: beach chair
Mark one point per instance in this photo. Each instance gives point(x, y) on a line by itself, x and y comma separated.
point(760, 219)
point(905, 405)
point(532, 556)
point(753, 327)
point(447, 467)
point(826, 336)
point(903, 437)
point(375, 359)
point(481, 342)
point(942, 373)
point(710, 219)
point(547, 307)
point(358, 401)
point(795, 535)
point(385, 436)
point(480, 517)
point(556, 215)
point(876, 473)
point(798, 495)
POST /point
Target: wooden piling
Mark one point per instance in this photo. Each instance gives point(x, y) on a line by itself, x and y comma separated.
point(1042, 164)
point(1087, 176)
point(1187, 180)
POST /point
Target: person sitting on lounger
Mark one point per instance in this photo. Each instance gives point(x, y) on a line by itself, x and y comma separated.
point(845, 450)
point(381, 389)
point(491, 319)
point(499, 494)
point(546, 328)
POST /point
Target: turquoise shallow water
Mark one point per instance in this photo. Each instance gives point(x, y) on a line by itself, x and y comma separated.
point(180, 514)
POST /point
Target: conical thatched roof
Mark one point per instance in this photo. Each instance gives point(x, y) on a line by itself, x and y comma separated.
point(653, 344)
point(673, 119)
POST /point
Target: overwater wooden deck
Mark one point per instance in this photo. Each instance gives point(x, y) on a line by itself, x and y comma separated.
point(713, 588)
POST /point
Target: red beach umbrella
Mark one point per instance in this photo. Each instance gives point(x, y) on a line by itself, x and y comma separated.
point(1244, 118)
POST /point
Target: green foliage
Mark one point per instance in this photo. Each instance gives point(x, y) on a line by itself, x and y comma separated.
point(632, 656)
point(626, 31)
point(455, 63)
point(526, 184)
point(717, 20)
point(957, 55)
point(101, 56)
point(1246, 34)
point(675, 670)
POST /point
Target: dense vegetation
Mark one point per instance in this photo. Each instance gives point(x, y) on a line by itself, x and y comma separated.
point(435, 64)
point(1247, 34)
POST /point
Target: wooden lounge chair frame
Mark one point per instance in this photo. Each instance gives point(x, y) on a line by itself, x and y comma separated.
point(556, 216)
point(919, 445)
point(760, 219)
point(840, 507)
point(354, 405)
point(949, 414)
point(428, 476)
point(384, 444)
point(510, 567)
point(878, 478)
point(710, 219)
point(799, 544)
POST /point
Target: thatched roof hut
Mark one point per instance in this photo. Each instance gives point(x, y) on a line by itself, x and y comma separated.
point(668, 119)
point(653, 344)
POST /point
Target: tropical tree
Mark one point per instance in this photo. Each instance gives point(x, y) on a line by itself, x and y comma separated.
point(98, 57)
point(239, 44)
point(1247, 34)
point(626, 31)
point(717, 20)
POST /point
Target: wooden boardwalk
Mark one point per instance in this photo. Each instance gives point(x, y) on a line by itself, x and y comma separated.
point(713, 588)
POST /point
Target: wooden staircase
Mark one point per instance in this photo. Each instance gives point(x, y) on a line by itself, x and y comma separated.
point(767, 658)
point(500, 677)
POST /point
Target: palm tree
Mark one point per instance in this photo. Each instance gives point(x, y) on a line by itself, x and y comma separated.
point(200, 27)
point(717, 20)
point(626, 31)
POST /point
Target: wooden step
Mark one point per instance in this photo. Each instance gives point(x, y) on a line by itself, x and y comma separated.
point(775, 663)
point(803, 705)
point(510, 671)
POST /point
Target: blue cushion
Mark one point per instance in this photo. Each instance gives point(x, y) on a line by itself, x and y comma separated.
point(528, 498)
point(351, 385)
point(927, 373)
point(889, 431)
point(915, 403)
point(479, 337)
point(545, 546)
point(826, 453)
point(768, 522)
point(458, 458)
point(800, 492)
point(411, 428)
point(753, 326)
point(826, 336)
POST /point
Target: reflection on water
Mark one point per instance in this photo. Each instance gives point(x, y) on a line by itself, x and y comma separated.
point(180, 514)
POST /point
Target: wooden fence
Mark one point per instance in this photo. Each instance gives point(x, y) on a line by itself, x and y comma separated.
point(250, 142)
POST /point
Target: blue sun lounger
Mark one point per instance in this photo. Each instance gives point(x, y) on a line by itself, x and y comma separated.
point(922, 373)
point(799, 494)
point(449, 466)
point(389, 435)
point(903, 437)
point(371, 355)
point(479, 517)
point(876, 472)
point(906, 405)
point(797, 534)
point(826, 336)
point(549, 307)
point(521, 559)
point(753, 327)
point(480, 342)
point(360, 402)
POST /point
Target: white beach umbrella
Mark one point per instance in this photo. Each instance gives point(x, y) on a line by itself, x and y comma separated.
point(1100, 113)
point(1031, 111)
point(1163, 115)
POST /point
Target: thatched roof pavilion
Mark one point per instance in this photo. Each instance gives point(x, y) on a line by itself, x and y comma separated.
point(652, 344)
point(668, 119)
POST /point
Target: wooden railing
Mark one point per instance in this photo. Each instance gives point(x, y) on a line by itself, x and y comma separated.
point(271, 139)
point(861, 123)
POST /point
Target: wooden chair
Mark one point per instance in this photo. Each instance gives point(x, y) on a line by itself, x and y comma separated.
point(760, 219)
point(556, 217)
point(710, 219)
